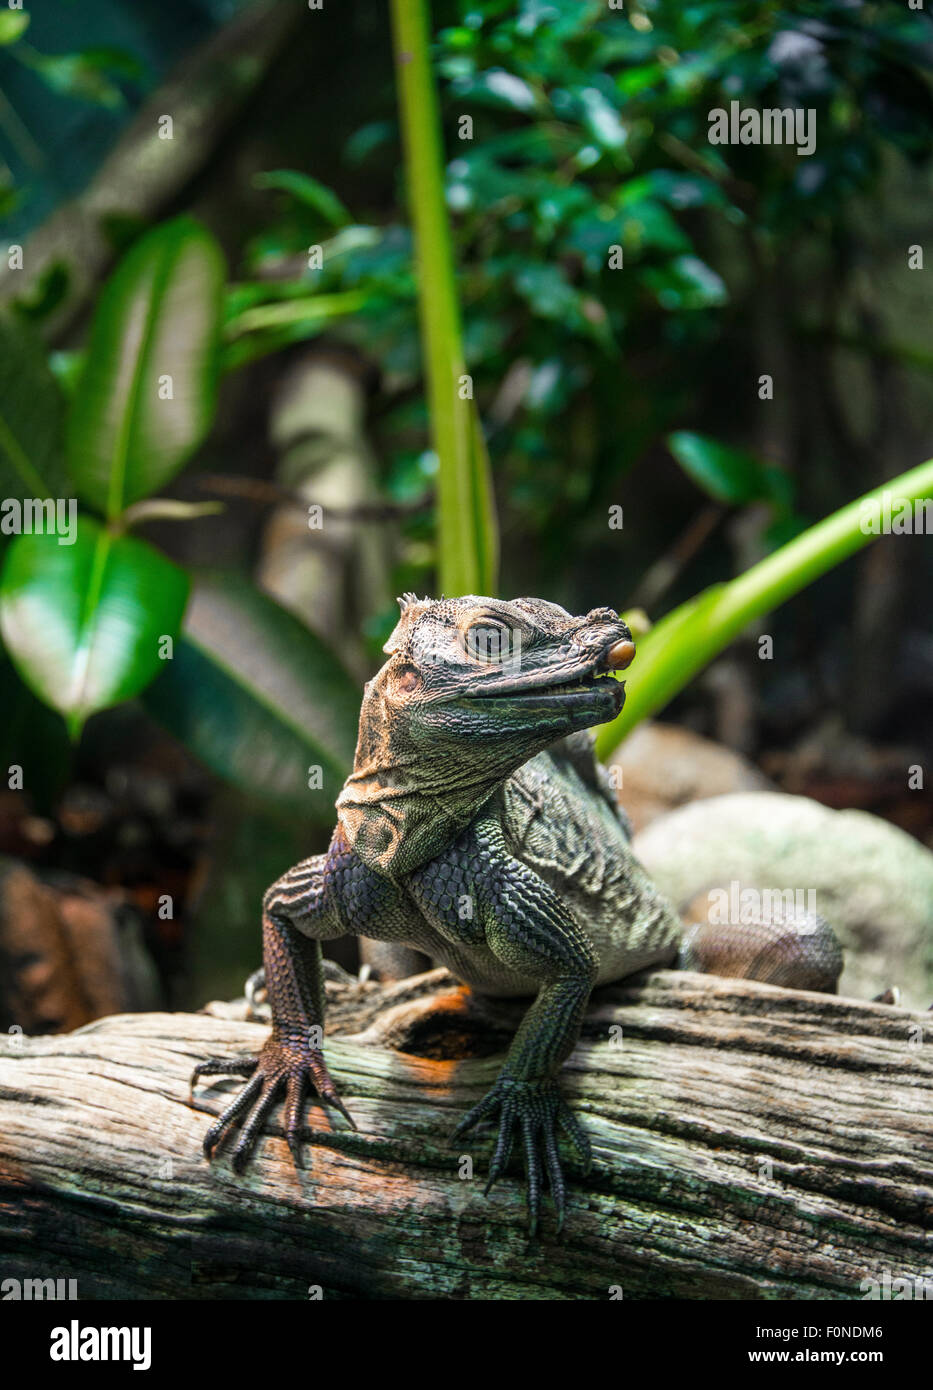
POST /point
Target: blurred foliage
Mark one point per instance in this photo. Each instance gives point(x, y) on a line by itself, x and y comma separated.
point(259, 698)
point(70, 77)
point(695, 632)
point(89, 615)
point(587, 207)
point(604, 251)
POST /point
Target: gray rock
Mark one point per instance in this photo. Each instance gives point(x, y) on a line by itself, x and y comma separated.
point(871, 881)
point(661, 766)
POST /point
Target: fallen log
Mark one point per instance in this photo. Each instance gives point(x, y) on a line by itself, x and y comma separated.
point(750, 1142)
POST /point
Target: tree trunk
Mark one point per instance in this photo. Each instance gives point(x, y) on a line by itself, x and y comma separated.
point(750, 1142)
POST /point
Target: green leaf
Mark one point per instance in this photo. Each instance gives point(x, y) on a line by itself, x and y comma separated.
point(602, 119)
point(83, 623)
point(687, 283)
point(307, 191)
point(77, 75)
point(259, 698)
point(46, 294)
point(13, 24)
point(267, 328)
point(728, 475)
point(66, 366)
point(32, 462)
point(500, 88)
point(155, 331)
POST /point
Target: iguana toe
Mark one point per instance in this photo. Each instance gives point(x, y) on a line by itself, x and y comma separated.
point(534, 1111)
point(284, 1065)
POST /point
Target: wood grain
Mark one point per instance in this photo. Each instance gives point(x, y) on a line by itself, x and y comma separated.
point(750, 1142)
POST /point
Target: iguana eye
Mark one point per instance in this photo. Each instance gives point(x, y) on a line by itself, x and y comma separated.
point(488, 641)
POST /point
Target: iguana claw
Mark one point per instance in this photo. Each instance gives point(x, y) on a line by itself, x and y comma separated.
point(282, 1064)
point(535, 1110)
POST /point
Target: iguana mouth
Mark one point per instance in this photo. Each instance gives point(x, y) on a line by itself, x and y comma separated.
point(593, 677)
point(573, 686)
point(532, 686)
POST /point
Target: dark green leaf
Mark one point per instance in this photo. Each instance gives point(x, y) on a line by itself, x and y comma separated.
point(259, 698)
point(308, 191)
point(687, 283)
point(84, 623)
point(726, 474)
point(602, 119)
point(77, 75)
point(155, 332)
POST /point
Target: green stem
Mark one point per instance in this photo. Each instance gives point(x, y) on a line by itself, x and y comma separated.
point(688, 638)
point(163, 509)
point(289, 311)
point(466, 522)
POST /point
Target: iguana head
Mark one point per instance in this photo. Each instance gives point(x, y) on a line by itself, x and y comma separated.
point(472, 689)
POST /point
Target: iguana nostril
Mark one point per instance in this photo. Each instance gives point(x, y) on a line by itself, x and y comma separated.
point(620, 655)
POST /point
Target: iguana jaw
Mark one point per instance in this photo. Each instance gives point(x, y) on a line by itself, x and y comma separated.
point(587, 694)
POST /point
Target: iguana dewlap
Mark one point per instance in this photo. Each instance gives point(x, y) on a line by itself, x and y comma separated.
point(478, 828)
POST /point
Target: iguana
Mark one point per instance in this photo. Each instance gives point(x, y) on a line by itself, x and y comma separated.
point(477, 827)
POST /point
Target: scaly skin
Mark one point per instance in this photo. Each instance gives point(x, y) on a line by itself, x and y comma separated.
point(460, 836)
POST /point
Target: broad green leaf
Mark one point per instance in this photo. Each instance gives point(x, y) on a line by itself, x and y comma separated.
point(259, 699)
point(308, 191)
point(146, 397)
point(32, 462)
point(726, 474)
point(84, 623)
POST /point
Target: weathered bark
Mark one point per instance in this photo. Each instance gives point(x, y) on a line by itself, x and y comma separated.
point(749, 1142)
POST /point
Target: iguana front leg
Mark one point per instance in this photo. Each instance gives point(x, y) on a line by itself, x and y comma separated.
point(290, 1062)
point(534, 939)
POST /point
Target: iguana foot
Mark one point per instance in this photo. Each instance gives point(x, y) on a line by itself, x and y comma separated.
point(283, 1065)
point(535, 1110)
